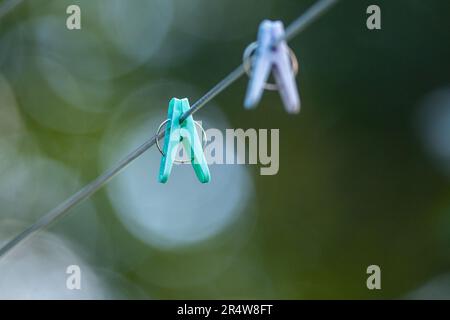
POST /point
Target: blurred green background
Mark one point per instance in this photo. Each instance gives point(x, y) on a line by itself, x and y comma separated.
point(364, 169)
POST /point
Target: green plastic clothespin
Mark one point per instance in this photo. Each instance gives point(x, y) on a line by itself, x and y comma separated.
point(186, 133)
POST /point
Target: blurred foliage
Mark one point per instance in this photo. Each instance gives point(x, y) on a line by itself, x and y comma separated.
point(356, 185)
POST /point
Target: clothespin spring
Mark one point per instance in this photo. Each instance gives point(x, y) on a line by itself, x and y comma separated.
point(204, 139)
point(247, 63)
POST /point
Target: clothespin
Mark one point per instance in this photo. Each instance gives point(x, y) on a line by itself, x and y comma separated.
point(186, 133)
point(274, 55)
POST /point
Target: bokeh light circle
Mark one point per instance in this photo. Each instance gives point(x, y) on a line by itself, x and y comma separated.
point(37, 269)
point(433, 120)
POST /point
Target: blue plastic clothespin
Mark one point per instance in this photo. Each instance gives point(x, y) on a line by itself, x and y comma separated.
point(186, 133)
point(273, 56)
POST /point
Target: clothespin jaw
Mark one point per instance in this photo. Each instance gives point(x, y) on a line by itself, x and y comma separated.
point(186, 133)
point(273, 55)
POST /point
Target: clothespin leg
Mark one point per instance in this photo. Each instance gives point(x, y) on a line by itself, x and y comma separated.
point(194, 148)
point(171, 140)
point(260, 75)
point(261, 66)
point(283, 71)
point(285, 79)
